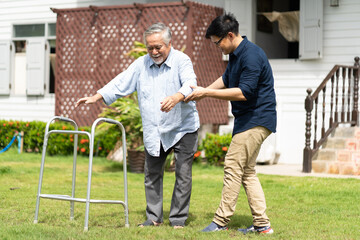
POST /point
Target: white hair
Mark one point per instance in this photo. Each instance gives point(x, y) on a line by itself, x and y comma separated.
point(159, 28)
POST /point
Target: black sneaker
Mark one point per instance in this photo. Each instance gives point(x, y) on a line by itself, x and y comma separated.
point(254, 229)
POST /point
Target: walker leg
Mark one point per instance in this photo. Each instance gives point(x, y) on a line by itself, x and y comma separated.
point(40, 181)
point(73, 177)
point(89, 182)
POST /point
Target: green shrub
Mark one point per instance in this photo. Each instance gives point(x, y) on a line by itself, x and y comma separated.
point(138, 50)
point(215, 147)
point(197, 155)
point(125, 110)
point(58, 144)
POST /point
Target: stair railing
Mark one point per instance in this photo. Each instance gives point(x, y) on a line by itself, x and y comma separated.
point(343, 82)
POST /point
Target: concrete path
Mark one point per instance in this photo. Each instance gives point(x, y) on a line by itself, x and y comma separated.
point(295, 170)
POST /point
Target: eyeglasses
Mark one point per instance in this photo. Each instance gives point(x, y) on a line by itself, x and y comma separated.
point(217, 43)
point(157, 47)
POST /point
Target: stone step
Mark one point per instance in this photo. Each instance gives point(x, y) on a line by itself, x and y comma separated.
point(335, 142)
point(325, 155)
point(336, 167)
point(347, 132)
point(342, 143)
point(340, 155)
point(325, 166)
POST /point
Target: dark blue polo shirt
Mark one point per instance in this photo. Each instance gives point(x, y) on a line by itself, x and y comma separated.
point(249, 70)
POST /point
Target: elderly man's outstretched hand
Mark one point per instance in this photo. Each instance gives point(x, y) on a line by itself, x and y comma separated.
point(88, 100)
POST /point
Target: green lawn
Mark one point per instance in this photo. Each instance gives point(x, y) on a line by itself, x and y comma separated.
point(298, 207)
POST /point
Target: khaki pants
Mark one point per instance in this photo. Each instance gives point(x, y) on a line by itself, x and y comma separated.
point(239, 170)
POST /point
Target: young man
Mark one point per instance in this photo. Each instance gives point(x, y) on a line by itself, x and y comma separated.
point(162, 79)
point(248, 83)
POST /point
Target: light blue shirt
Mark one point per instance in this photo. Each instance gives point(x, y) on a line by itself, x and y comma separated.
point(153, 84)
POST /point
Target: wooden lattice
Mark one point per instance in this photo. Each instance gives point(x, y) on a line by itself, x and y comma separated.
point(91, 44)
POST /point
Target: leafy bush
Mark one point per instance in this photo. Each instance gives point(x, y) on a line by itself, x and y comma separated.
point(138, 50)
point(215, 147)
point(126, 110)
point(197, 155)
point(59, 144)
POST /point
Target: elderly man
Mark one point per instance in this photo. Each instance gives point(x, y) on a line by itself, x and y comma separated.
point(249, 84)
point(162, 79)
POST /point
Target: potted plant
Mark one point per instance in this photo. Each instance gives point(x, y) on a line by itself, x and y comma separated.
point(126, 110)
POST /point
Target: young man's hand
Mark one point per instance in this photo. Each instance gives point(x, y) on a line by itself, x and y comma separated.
point(197, 94)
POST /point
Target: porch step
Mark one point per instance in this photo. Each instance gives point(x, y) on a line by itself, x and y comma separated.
point(334, 167)
point(340, 143)
point(347, 132)
point(340, 154)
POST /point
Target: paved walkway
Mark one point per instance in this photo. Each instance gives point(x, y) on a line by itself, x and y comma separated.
point(294, 170)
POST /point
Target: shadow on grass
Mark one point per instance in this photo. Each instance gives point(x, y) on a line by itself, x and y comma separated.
point(236, 221)
point(240, 221)
point(166, 214)
point(115, 167)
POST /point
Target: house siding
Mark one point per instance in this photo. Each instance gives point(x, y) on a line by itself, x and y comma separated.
point(27, 108)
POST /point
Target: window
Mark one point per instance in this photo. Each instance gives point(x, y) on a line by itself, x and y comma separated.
point(29, 30)
point(260, 30)
point(267, 33)
point(52, 29)
point(35, 42)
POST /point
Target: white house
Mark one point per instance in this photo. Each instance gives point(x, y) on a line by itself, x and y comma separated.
point(328, 34)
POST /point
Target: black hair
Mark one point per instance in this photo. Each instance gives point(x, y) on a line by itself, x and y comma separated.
point(222, 25)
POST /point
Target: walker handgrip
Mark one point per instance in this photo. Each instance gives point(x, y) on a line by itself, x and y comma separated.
point(65, 119)
point(108, 120)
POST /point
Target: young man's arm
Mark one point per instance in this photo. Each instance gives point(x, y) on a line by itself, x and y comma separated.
point(216, 90)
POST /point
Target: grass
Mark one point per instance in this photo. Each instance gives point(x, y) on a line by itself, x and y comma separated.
point(298, 207)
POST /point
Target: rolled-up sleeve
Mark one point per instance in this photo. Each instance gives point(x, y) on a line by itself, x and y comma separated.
point(187, 76)
point(249, 77)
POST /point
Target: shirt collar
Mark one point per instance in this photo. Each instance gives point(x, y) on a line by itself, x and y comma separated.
point(167, 61)
point(241, 47)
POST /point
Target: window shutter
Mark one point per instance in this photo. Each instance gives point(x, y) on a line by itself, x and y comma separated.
point(35, 70)
point(5, 67)
point(311, 29)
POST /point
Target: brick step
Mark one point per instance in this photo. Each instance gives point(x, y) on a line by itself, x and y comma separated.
point(325, 155)
point(347, 132)
point(342, 143)
point(335, 167)
point(340, 154)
